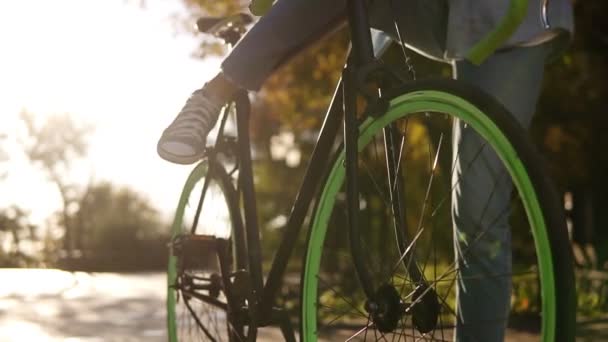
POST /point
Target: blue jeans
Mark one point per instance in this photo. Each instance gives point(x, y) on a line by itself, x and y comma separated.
point(513, 77)
point(483, 192)
point(291, 25)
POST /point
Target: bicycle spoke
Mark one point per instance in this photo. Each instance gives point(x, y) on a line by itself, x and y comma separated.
point(430, 184)
point(420, 227)
point(385, 198)
point(375, 265)
point(339, 315)
point(407, 250)
point(198, 322)
point(342, 297)
point(450, 269)
point(401, 155)
point(364, 330)
point(469, 165)
point(446, 246)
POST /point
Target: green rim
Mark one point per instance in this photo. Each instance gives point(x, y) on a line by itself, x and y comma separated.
point(432, 101)
point(196, 175)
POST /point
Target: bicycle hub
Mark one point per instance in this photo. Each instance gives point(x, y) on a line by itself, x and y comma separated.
point(387, 308)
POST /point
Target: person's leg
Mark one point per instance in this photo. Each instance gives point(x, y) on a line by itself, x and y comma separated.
point(480, 201)
point(286, 29)
point(291, 25)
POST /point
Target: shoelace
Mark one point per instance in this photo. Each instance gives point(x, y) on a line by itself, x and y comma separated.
point(197, 117)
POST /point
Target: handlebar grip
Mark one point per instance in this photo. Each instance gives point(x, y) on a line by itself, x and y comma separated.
point(493, 40)
point(260, 7)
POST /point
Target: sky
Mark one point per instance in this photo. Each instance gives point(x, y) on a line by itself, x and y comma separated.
point(111, 64)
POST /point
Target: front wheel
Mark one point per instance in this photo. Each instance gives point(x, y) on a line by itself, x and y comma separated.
point(460, 230)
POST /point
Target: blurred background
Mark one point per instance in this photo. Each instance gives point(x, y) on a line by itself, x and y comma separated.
point(86, 88)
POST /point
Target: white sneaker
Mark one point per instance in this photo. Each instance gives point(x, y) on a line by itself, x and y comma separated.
point(183, 142)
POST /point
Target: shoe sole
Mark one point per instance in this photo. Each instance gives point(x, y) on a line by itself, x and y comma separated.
point(178, 159)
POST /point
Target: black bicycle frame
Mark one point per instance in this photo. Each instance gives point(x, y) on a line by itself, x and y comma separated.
point(312, 178)
point(343, 102)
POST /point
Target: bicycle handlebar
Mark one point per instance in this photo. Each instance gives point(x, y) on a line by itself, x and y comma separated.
point(478, 53)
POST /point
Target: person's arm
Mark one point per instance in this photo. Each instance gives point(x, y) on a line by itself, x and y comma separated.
point(493, 40)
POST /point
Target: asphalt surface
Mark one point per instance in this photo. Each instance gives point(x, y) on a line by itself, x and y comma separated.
point(52, 305)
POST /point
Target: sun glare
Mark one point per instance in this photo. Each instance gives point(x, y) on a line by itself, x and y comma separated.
point(111, 64)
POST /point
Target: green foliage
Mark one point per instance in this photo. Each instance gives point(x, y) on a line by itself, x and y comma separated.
point(102, 227)
point(19, 243)
point(113, 218)
point(571, 117)
point(118, 229)
point(571, 122)
point(210, 46)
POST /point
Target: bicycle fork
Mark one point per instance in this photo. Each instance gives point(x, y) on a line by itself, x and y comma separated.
point(384, 304)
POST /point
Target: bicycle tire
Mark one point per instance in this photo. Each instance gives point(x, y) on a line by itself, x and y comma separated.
point(544, 214)
point(202, 319)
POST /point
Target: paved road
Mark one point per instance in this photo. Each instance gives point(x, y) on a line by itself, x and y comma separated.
point(53, 305)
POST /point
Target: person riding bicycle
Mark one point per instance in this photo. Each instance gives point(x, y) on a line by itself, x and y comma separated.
point(440, 29)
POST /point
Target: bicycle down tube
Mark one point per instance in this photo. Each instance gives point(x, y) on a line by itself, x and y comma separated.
point(312, 178)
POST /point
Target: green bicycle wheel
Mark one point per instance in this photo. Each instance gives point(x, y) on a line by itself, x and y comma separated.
point(505, 273)
point(197, 305)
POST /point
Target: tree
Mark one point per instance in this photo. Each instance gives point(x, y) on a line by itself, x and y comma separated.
point(571, 124)
point(54, 146)
point(14, 230)
point(120, 228)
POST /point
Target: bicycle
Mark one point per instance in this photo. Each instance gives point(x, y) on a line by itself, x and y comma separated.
point(349, 291)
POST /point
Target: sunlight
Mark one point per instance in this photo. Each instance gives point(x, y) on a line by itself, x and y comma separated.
point(215, 216)
point(25, 330)
point(26, 283)
point(110, 64)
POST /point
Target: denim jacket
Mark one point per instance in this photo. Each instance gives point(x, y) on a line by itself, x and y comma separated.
point(470, 20)
point(450, 28)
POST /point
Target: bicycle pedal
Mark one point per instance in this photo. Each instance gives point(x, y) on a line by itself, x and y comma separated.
point(195, 251)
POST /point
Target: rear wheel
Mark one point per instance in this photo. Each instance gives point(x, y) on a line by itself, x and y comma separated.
point(504, 274)
point(201, 264)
